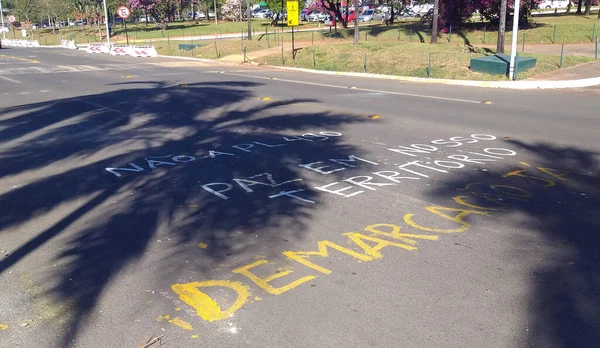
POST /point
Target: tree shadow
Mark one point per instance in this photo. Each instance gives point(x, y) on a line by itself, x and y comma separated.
point(58, 152)
point(561, 206)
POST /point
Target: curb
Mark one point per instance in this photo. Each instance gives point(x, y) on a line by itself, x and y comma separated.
point(189, 58)
point(594, 81)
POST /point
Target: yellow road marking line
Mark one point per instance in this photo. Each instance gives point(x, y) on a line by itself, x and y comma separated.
point(19, 58)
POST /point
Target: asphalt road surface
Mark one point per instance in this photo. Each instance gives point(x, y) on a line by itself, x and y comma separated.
point(191, 204)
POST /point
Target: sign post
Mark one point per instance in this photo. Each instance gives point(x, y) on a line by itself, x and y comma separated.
point(106, 20)
point(292, 20)
point(12, 19)
point(124, 13)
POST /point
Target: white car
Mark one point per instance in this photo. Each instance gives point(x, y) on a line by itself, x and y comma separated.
point(370, 15)
point(420, 9)
point(143, 19)
point(313, 17)
point(547, 4)
point(263, 14)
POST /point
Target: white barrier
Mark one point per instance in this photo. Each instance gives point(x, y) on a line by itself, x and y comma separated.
point(117, 50)
point(20, 43)
point(70, 44)
point(143, 51)
point(98, 48)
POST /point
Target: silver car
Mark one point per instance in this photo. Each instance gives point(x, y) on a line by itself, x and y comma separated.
point(370, 15)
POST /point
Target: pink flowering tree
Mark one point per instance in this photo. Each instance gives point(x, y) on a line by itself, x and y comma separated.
point(233, 10)
point(162, 10)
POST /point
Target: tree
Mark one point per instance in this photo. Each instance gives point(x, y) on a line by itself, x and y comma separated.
point(502, 26)
point(27, 9)
point(249, 18)
point(233, 10)
point(331, 7)
point(162, 10)
point(579, 3)
point(356, 29)
point(434, 29)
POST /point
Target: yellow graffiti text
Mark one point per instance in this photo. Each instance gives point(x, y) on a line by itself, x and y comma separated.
point(395, 233)
point(373, 251)
point(300, 256)
point(437, 210)
point(518, 173)
point(205, 306)
point(178, 322)
point(462, 201)
point(264, 282)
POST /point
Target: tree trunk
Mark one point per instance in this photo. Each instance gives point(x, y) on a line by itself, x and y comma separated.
point(392, 14)
point(345, 21)
point(579, 3)
point(249, 18)
point(434, 29)
point(356, 29)
point(588, 5)
point(99, 29)
point(502, 27)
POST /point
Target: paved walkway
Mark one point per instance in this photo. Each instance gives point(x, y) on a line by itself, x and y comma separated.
point(579, 72)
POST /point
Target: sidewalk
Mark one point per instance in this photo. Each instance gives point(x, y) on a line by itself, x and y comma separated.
point(584, 71)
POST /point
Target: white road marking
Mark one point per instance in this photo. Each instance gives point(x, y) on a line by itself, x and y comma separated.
point(9, 79)
point(356, 89)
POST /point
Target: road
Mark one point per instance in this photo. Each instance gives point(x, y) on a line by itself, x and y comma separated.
point(222, 205)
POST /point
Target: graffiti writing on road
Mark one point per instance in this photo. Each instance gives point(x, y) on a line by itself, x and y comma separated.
point(256, 183)
point(368, 245)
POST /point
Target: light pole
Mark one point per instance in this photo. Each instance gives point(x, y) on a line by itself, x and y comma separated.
point(2, 20)
point(106, 20)
point(515, 38)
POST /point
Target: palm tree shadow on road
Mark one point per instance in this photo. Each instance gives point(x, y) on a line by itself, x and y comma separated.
point(57, 152)
point(566, 287)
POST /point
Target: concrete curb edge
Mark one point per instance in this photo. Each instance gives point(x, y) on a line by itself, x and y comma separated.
point(525, 84)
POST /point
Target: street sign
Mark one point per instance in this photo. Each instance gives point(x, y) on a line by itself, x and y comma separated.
point(123, 12)
point(11, 18)
point(292, 13)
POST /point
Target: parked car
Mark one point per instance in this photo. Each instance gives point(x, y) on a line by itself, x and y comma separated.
point(313, 17)
point(143, 19)
point(547, 4)
point(200, 14)
point(370, 15)
point(420, 8)
point(304, 15)
point(263, 14)
point(407, 12)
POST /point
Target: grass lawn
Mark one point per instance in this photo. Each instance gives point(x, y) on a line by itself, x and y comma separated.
point(207, 47)
point(406, 59)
